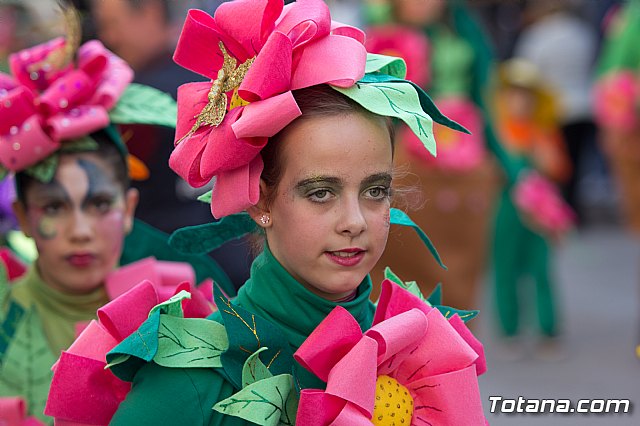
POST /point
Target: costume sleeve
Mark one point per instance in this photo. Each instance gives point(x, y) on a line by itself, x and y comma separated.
point(621, 49)
point(175, 396)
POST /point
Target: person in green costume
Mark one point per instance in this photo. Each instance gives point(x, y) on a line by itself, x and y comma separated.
point(322, 180)
point(73, 199)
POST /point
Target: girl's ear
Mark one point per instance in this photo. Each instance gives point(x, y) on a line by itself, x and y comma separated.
point(131, 198)
point(20, 210)
point(260, 213)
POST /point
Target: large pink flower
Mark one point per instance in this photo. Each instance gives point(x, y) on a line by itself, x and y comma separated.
point(41, 105)
point(412, 365)
point(293, 47)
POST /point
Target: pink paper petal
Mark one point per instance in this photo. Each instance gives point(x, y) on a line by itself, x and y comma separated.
point(174, 273)
point(442, 350)
point(353, 378)
point(236, 190)
point(332, 339)
point(94, 342)
point(206, 289)
point(123, 316)
point(66, 92)
point(462, 329)
point(351, 416)
point(305, 21)
point(397, 333)
point(316, 408)
point(223, 152)
point(338, 28)
point(270, 73)
point(14, 266)
point(323, 62)
point(15, 107)
point(7, 82)
point(21, 64)
point(12, 410)
point(248, 21)
point(82, 390)
point(78, 122)
point(448, 399)
point(258, 118)
point(197, 306)
point(395, 300)
point(128, 276)
point(27, 147)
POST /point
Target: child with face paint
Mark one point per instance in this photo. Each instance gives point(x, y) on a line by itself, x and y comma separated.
point(71, 169)
point(301, 146)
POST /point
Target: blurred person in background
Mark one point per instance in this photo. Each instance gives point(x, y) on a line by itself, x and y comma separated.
point(14, 18)
point(563, 47)
point(144, 33)
point(617, 100)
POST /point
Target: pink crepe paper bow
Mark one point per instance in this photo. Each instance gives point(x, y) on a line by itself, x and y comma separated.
point(617, 100)
point(540, 199)
point(41, 106)
point(457, 151)
point(82, 390)
point(13, 412)
point(404, 42)
point(294, 46)
point(436, 360)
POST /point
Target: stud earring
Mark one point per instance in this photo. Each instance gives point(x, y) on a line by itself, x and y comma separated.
point(264, 219)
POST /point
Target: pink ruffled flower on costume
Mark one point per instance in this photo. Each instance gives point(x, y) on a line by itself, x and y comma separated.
point(83, 391)
point(13, 412)
point(283, 48)
point(457, 151)
point(616, 101)
point(540, 200)
point(406, 43)
point(413, 365)
point(40, 106)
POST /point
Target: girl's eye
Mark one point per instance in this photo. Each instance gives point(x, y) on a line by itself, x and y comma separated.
point(320, 195)
point(53, 208)
point(102, 205)
point(377, 192)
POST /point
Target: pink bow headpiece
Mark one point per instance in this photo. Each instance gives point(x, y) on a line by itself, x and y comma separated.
point(256, 52)
point(44, 104)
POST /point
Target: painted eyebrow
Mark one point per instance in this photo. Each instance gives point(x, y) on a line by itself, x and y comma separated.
point(52, 191)
point(384, 178)
point(319, 179)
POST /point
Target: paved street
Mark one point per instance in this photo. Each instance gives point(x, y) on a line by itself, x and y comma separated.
point(598, 274)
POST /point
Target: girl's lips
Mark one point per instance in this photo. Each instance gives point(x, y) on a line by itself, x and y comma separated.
point(81, 260)
point(346, 257)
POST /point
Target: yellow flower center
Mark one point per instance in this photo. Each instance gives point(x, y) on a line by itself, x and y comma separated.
point(394, 404)
point(236, 100)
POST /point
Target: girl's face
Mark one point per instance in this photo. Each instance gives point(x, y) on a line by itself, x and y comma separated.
point(329, 219)
point(78, 222)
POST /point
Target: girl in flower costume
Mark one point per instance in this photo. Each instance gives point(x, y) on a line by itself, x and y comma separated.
point(293, 127)
point(73, 199)
point(617, 108)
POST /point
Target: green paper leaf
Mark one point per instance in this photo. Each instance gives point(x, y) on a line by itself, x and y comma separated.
point(3, 172)
point(209, 236)
point(141, 104)
point(394, 99)
point(388, 274)
point(190, 342)
point(247, 333)
point(173, 305)
point(288, 416)
point(384, 64)
point(45, 170)
point(254, 370)
point(426, 103)
point(435, 298)
point(206, 197)
point(398, 217)
point(85, 143)
point(142, 344)
point(262, 402)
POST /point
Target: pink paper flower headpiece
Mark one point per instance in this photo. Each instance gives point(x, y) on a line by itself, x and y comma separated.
point(278, 49)
point(59, 91)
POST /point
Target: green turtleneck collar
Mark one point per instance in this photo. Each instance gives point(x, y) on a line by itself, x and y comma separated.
point(275, 295)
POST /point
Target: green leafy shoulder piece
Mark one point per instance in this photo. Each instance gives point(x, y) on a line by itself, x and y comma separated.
point(169, 340)
point(249, 333)
point(434, 299)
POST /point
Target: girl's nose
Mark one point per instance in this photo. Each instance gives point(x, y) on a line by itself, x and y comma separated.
point(352, 221)
point(81, 227)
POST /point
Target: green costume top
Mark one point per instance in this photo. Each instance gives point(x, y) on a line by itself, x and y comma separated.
point(185, 396)
point(621, 49)
point(37, 322)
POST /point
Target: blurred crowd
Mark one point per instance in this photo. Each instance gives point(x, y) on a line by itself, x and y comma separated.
point(523, 76)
